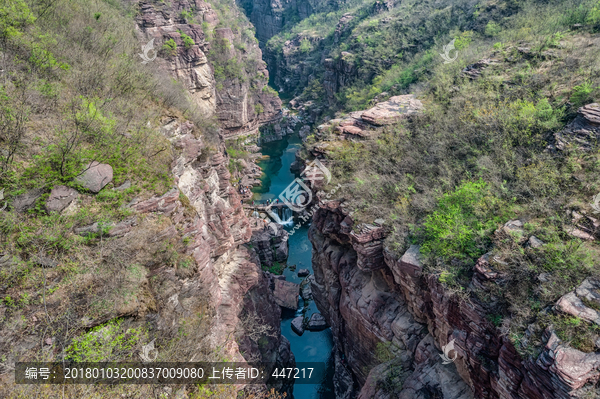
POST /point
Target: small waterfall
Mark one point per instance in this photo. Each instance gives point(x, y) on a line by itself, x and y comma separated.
point(283, 215)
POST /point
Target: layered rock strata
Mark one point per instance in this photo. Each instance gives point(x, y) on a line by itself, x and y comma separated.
point(240, 101)
point(377, 301)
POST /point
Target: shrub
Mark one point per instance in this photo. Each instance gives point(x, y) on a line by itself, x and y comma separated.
point(492, 29)
point(582, 94)
point(108, 342)
point(188, 42)
point(460, 226)
point(170, 48)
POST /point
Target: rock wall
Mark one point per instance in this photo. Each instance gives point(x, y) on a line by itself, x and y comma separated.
point(216, 228)
point(239, 102)
point(269, 17)
point(374, 299)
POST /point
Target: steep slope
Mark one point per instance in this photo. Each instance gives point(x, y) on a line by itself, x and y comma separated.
point(215, 56)
point(121, 226)
point(467, 210)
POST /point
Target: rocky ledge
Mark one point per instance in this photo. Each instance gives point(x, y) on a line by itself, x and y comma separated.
point(378, 303)
point(360, 124)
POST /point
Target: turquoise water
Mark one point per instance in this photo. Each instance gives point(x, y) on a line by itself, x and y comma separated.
point(311, 346)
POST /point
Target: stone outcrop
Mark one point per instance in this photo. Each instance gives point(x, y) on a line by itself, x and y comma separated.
point(374, 299)
point(95, 176)
point(271, 244)
point(360, 124)
point(60, 197)
point(27, 200)
point(239, 102)
point(393, 110)
point(573, 302)
point(286, 294)
point(316, 323)
point(338, 73)
point(582, 133)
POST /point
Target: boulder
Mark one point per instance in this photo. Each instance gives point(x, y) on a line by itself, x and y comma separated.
point(514, 229)
point(96, 176)
point(298, 325)
point(271, 244)
point(60, 197)
point(286, 294)
point(305, 288)
point(26, 201)
point(393, 110)
point(535, 242)
point(573, 302)
point(7, 260)
point(317, 323)
point(303, 272)
point(123, 186)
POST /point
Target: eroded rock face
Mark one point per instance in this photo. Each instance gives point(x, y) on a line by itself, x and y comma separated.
point(239, 103)
point(271, 244)
point(391, 302)
point(360, 304)
point(583, 132)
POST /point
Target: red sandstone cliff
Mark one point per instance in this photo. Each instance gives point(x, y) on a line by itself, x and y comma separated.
point(371, 297)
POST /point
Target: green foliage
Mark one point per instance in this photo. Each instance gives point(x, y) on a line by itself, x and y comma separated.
point(582, 94)
point(108, 342)
point(593, 17)
point(460, 226)
point(385, 351)
point(15, 16)
point(268, 89)
point(170, 47)
point(492, 29)
point(259, 109)
point(188, 42)
point(187, 15)
point(276, 268)
point(463, 40)
point(305, 46)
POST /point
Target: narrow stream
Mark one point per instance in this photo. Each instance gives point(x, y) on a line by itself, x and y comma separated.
point(311, 346)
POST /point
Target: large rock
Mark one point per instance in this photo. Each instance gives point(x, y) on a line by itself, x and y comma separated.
point(96, 176)
point(286, 294)
point(316, 323)
point(298, 325)
point(26, 201)
point(271, 244)
point(60, 197)
point(573, 302)
point(305, 288)
point(583, 132)
point(393, 110)
point(303, 272)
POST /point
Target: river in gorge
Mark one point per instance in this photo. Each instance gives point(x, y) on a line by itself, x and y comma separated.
point(311, 346)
